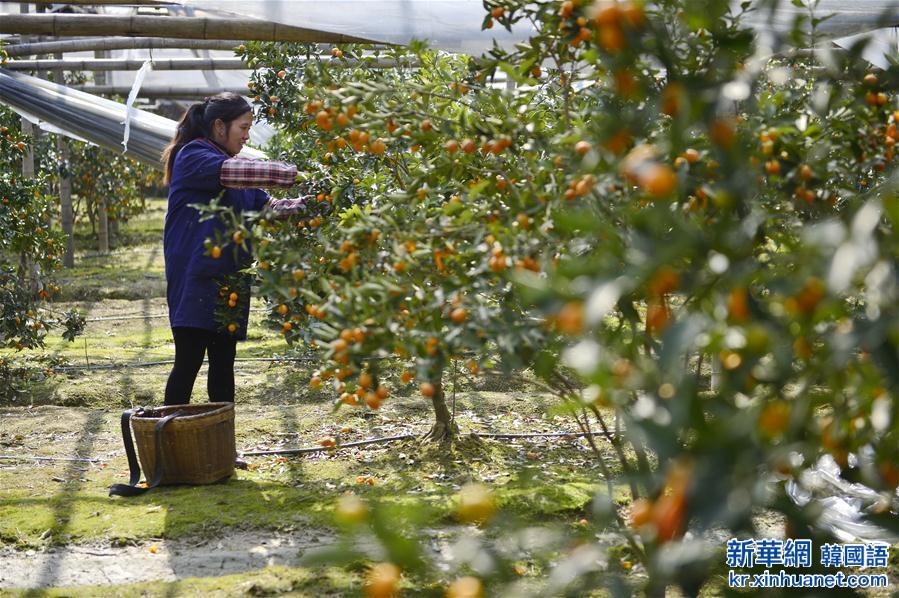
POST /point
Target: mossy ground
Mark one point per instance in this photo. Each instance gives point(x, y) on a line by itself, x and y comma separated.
point(66, 412)
point(271, 581)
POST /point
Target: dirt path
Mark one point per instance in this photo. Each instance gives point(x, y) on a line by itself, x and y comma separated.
point(155, 561)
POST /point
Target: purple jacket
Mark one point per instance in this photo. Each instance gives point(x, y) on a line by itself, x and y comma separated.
point(192, 277)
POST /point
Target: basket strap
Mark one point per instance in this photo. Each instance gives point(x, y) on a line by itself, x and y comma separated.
point(133, 464)
point(131, 488)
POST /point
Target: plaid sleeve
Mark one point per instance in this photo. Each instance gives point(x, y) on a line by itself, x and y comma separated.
point(242, 172)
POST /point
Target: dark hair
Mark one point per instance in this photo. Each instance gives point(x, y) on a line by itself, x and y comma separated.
point(197, 122)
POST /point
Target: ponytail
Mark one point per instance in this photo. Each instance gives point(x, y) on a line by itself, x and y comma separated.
point(197, 122)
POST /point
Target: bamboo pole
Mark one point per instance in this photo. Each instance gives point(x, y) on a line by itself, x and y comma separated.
point(177, 27)
point(113, 64)
point(95, 2)
point(177, 64)
point(119, 43)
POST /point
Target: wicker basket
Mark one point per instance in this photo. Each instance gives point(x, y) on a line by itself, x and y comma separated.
point(197, 446)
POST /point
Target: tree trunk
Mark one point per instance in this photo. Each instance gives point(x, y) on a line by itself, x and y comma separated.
point(103, 222)
point(29, 275)
point(28, 158)
point(103, 235)
point(89, 210)
point(65, 203)
point(27, 268)
point(715, 378)
point(112, 224)
point(444, 429)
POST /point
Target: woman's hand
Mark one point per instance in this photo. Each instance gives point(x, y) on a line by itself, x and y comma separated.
point(288, 207)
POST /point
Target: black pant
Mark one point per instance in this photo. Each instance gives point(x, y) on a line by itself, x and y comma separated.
point(190, 346)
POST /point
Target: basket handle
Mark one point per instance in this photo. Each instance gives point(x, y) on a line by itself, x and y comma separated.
point(131, 488)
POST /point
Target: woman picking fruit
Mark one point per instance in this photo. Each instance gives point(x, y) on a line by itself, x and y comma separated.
point(201, 164)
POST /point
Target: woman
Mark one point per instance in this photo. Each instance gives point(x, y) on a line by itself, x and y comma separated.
point(200, 165)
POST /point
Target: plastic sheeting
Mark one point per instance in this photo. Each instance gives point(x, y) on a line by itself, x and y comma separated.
point(92, 118)
point(213, 79)
point(842, 503)
point(451, 25)
point(260, 134)
point(129, 103)
point(455, 25)
point(881, 43)
point(842, 17)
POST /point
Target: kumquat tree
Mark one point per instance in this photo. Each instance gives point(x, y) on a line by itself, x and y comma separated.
point(30, 248)
point(411, 260)
point(674, 222)
point(120, 188)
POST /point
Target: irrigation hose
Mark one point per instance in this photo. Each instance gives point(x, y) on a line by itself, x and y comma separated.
point(151, 316)
point(144, 364)
point(65, 459)
point(317, 449)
